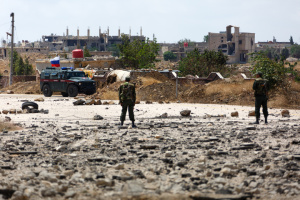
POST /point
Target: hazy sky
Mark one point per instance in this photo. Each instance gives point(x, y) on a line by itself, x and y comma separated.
point(169, 20)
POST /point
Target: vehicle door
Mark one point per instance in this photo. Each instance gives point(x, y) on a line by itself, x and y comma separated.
point(63, 81)
point(54, 82)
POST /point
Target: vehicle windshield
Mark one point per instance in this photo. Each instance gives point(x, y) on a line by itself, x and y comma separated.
point(75, 74)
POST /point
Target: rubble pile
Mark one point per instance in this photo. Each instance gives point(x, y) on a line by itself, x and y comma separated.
point(182, 156)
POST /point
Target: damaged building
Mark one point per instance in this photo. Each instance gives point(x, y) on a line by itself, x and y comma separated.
point(69, 42)
point(237, 45)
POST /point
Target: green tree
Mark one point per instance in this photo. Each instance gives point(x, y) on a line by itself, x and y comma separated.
point(19, 67)
point(285, 53)
point(295, 51)
point(138, 53)
point(190, 42)
point(203, 64)
point(86, 52)
point(205, 38)
point(291, 40)
point(168, 55)
point(114, 49)
point(272, 70)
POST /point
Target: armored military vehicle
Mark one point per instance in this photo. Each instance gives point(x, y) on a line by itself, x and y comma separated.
point(68, 81)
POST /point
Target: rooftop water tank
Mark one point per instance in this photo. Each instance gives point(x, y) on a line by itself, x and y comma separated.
point(77, 53)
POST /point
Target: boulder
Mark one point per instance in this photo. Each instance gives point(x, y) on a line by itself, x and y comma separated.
point(185, 113)
point(251, 113)
point(79, 102)
point(40, 99)
point(98, 102)
point(137, 102)
point(10, 92)
point(165, 115)
point(90, 102)
point(12, 111)
point(98, 117)
point(235, 114)
point(5, 111)
point(105, 103)
point(285, 113)
point(111, 103)
point(148, 102)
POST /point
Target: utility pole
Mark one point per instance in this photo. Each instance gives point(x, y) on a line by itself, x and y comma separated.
point(12, 49)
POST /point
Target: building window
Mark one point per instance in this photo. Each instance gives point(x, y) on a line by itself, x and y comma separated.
point(240, 42)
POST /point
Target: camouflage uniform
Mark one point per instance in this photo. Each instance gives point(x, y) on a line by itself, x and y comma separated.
point(260, 86)
point(127, 99)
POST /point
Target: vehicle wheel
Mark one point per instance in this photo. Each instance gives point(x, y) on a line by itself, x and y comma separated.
point(47, 91)
point(72, 91)
point(30, 104)
point(64, 94)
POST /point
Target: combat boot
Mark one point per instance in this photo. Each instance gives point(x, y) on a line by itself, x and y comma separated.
point(133, 125)
point(256, 122)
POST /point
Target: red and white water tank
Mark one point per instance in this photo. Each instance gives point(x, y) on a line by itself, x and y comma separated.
point(77, 53)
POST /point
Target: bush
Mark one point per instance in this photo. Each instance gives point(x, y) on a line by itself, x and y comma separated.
point(273, 71)
point(203, 64)
point(168, 55)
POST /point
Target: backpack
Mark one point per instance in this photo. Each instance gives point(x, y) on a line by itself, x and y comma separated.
point(261, 87)
point(126, 92)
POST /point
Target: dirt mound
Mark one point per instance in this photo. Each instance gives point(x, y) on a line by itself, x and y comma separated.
point(30, 87)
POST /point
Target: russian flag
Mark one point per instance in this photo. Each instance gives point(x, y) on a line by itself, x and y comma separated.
point(55, 62)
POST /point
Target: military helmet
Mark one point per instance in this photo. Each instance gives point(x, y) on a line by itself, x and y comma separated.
point(259, 73)
point(127, 78)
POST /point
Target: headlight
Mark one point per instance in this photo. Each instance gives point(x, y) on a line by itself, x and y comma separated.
point(79, 84)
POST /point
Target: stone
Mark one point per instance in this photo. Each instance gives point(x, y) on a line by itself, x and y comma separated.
point(70, 194)
point(10, 92)
point(98, 117)
point(90, 102)
point(168, 154)
point(5, 112)
point(251, 113)
point(235, 114)
point(165, 115)
point(79, 102)
point(105, 103)
point(7, 119)
point(137, 102)
point(12, 111)
point(105, 182)
point(285, 113)
point(41, 99)
point(148, 102)
point(148, 146)
point(185, 113)
point(98, 102)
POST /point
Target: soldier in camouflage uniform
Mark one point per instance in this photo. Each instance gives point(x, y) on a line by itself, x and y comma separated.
point(260, 86)
point(127, 99)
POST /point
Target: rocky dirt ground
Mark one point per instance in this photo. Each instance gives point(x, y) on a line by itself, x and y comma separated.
point(70, 152)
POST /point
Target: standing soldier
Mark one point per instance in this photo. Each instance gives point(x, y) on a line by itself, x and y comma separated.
point(127, 99)
point(260, 87)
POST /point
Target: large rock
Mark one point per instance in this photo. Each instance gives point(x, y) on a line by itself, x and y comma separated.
point(98, 102)
point(90, 102)
point(251, 113)
point(79, 102)
point(285, 113)
point(98, 117)
point(40, 99)
point(5, 111)
point(185, 113)
point(235, 114)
